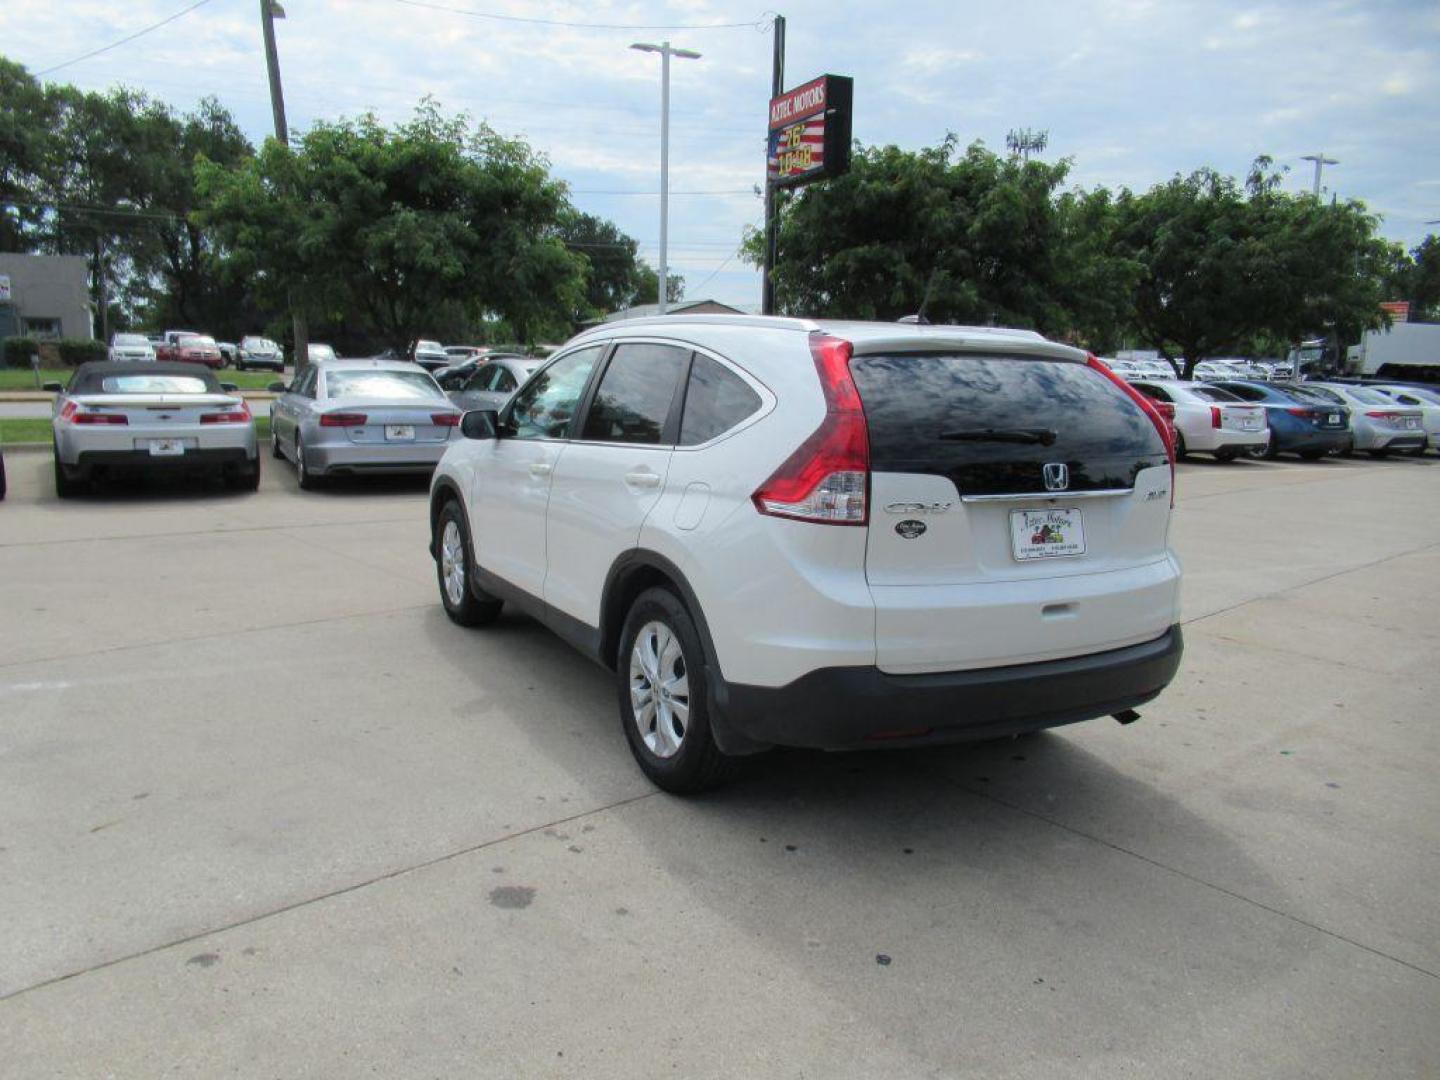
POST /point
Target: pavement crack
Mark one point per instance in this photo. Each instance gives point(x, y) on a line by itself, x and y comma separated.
point(389, 875)
point(1306, 584)
point(237, 632)
point(1196, 879)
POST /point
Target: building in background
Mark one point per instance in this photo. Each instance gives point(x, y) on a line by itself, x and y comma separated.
point(682, 307)
point(45, 296)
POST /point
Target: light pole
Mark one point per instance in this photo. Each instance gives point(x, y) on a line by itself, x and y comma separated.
point(1320, 161)
point(270, 10)
point(666, 51)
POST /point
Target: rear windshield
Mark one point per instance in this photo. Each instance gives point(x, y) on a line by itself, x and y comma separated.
point(153, 384)
point(1370, 397)
point(196, 340)
point(1314, 394)
point(1213, 393)
point(381, 384)
point(130, 339)
point(991, 423)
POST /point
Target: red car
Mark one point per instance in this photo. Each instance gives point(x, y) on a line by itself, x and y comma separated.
point(191, 349)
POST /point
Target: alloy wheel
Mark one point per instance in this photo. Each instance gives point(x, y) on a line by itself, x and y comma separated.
point(452, 563)
point(659, 689)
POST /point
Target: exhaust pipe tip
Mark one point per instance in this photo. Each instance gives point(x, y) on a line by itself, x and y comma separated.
point(1127, 716)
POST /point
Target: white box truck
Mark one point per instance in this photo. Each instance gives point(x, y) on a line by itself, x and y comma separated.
point(1408, 351)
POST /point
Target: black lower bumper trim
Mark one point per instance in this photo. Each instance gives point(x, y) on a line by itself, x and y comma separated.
point(863, 707)
point(143, 459)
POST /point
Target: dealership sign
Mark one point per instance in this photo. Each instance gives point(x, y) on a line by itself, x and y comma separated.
point(810, 132)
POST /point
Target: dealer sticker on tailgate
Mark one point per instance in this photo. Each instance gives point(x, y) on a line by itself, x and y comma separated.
point(1046, 534)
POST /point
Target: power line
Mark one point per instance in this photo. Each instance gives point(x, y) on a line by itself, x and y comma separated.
point(754, 24)
point(125, 40)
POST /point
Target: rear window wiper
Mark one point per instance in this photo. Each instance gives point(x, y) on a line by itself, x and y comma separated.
point(1032, 436)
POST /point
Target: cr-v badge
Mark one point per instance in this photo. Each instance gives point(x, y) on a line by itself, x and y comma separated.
point(910, 529)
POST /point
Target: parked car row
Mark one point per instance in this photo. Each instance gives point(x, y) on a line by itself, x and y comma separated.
point(254, 352)
point(1309, 419)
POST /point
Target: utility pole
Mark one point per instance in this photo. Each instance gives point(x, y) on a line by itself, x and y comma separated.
point(666, 51)
point(1320, 161)
point(270, 10)
point(772, 207)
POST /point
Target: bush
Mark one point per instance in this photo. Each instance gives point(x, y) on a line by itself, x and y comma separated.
point(17, 351)
point(76, 351)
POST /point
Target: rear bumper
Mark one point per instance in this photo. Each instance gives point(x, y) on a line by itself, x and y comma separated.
point(332, 458)
point(848, 708)
point(1337, 439)
point(206, 458)
point(274, 363)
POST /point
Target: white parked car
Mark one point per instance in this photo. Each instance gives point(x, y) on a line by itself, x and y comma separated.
point(135, 347)
point(150, 417)
point(823, 534)
point(1424, 398)
point(1209, 420)
point(1380, 424)
point(1217, 371)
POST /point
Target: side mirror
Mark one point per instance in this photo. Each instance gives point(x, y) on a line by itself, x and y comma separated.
point(229, 387)
point(277, 388)
point(53, 387)
point(479, 424)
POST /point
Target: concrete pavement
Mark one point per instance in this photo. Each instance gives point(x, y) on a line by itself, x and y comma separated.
point(265, 812)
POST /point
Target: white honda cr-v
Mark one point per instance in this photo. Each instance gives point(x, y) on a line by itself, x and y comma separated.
point(823, 534)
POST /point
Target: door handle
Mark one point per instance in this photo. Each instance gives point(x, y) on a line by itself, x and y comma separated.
point(540, 469)
point(642, 478)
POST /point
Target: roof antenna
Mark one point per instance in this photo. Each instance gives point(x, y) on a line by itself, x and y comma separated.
point(919, 317)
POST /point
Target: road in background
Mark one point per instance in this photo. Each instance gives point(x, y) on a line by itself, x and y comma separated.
point(265, 811)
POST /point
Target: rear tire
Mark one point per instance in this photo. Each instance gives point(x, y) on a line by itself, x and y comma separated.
point(308, 480)
point(1272, 450)
point(275, 451)
point(245, 478)
point(1180, 450)
point(65, 487)
point(454, 570)
point(663, 693)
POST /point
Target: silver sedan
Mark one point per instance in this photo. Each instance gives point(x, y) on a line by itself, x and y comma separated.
point(493, 382)
point(361, 416)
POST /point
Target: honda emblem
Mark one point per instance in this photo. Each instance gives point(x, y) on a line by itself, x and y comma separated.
point(1057, 476)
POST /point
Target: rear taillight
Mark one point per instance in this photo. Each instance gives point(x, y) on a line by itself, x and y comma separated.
point(1304, 414)
point(77, 415)
point(1392, 417)
point(445, 419)
point(1215, 416)
point(1148, 408)
point(239, 415)
point(342, 419)
point(826, 480)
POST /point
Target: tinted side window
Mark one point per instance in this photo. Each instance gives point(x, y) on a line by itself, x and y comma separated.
point(547, 406)
point(480, 380)
point(716, 400)
point(635, 394)
point(504, 381)
point(1153, 392)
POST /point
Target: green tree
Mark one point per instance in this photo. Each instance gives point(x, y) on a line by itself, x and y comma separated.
point(395, 227)
point(27, 124)
point(971, 238)
point(1415, 276)
point(1223, 263)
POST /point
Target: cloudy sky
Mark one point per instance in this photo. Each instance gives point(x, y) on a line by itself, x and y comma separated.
point(1132, 90)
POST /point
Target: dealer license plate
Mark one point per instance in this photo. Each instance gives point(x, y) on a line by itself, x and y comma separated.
point(1251, 423)
point(1046, 534)
point(400, 432)
point(166, 447)
point(1411, 423)
point(1334, 420)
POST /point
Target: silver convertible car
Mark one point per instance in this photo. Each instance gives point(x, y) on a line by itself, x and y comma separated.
point(149, 416)
point(361, 416)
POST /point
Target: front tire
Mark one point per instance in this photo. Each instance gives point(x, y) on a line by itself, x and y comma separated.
point(663, 693)
point(454, 568)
